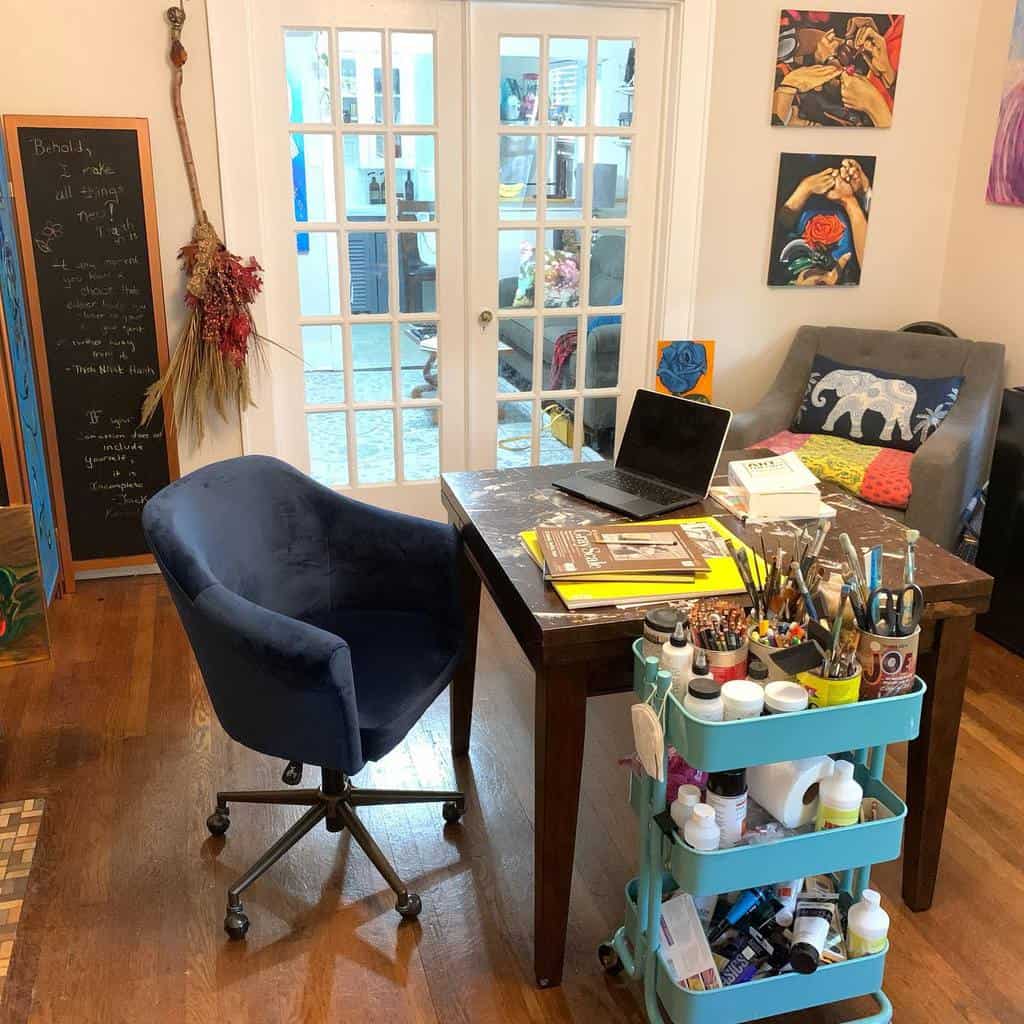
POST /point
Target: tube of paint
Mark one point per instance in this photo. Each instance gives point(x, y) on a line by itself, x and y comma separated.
point(814, 914)
point(786, 893)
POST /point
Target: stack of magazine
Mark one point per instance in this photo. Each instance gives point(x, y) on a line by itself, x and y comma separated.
point(626, 564)
point(770, 490)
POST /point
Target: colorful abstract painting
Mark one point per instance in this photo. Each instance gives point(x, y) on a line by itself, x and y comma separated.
point(685, 369)
point(822, 207)
point(836, 70)
point(23, 631)
point(1006, 174)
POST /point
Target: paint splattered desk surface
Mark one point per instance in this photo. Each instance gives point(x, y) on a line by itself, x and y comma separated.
point(492, 508)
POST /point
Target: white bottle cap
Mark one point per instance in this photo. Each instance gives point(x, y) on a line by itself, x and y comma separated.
point(843, 770)
point(784, 696)
point(872, 897)
point(784, 918)
point(743, 699)
point(688, 796)
point(704, 812)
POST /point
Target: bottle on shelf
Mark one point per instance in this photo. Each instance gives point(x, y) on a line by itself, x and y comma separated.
point(374, 190)
point(868, 925)
point(727, 796)
point(701, 830)
point(682, 807)
point(839, 798)
point(410, 188)
point(703, 695)
point(677, 660)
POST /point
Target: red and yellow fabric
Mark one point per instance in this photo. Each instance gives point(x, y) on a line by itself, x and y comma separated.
point(878, 475)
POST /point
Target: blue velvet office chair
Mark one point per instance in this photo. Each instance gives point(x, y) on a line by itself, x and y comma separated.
point(324, 629)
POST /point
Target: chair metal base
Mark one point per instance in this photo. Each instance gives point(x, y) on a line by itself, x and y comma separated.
point(333, 803)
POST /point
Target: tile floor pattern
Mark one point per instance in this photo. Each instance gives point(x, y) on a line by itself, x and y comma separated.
point(19, 830)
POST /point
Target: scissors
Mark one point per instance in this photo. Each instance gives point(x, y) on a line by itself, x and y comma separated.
point(896, 612)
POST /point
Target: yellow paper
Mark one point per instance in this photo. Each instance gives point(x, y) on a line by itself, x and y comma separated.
point(723, 577)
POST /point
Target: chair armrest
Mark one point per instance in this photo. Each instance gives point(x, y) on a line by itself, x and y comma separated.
point(944, 472)
point(774, 413)
point(279, 685)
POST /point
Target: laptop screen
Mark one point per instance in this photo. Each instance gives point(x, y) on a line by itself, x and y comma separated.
point(674, 439)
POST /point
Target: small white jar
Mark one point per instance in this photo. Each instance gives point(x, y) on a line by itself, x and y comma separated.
point(742, 699)
point(702, 831)
point(784, 697)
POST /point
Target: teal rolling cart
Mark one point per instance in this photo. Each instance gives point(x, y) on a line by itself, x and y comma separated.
point(861, 732)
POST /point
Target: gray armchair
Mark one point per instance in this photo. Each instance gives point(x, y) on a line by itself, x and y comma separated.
point(951, 464)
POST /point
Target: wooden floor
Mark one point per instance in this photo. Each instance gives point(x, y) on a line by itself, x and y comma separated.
point(123, 917)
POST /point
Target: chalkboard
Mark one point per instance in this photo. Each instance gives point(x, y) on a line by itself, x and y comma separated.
point(87, 226)
point(20, 365)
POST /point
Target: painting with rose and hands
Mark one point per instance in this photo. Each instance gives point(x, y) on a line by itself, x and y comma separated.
point(821, 219)
point(836, 70)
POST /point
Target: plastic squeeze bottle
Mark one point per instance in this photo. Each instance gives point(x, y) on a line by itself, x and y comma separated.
point(868, 925)
point(677, 660)
point(702, 831)
point(839, 798)
point(682, 807)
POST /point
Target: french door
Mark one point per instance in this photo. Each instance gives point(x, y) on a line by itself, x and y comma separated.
point(439, 298)
point(567, 119)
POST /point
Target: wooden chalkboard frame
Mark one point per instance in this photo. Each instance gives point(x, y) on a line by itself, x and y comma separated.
point(140, 125)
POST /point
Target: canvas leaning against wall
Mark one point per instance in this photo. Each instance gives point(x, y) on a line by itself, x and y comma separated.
point(1006, 174)
point(822, 207)
point(836, 70)
point(23, 631)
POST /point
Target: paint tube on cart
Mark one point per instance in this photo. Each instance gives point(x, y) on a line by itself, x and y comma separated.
point(811, 927)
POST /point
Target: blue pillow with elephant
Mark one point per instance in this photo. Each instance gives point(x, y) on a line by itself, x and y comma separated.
point(873, 407)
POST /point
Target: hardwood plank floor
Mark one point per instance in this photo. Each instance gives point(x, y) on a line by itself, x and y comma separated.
point(123, 917)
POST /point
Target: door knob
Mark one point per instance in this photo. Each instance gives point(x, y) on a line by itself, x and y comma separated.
point(485, 317)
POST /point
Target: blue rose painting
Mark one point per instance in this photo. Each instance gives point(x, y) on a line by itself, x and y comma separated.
point(682, 366)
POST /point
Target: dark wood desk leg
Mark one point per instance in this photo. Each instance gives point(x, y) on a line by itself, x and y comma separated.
point(559, 730)
point(461, 695)
point(931, 756)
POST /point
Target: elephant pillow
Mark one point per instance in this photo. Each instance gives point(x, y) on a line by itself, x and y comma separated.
point(874, 407)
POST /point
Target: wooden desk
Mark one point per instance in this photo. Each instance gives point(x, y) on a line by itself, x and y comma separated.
point(576, 655)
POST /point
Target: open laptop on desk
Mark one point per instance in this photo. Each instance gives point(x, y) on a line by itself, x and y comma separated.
point(667, 458)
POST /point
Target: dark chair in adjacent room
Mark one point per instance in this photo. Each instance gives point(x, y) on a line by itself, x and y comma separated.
point(324, 629)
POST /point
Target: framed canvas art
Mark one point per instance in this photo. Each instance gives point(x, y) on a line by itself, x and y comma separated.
point(836, 70)
point(685, 369)
point(1006, 173)
point(822, 206)
point(23, 631)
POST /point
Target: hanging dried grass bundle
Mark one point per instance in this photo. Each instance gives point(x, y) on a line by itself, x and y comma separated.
point(211, 361)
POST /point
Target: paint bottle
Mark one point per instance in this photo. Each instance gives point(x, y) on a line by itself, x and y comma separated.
point(659, 625)
point(701, 830)
point(677, 660)
point(727, 795)
point(737, 914)
point(839, 798)
point(783, 697)
point(703, 695)
point(867, 927)
point(682, 807)
point(757, 672)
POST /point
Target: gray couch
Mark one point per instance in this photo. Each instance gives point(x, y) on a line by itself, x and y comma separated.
point(606, 274)
point(951, 464)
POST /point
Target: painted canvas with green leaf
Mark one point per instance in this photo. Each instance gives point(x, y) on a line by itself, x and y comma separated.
point(23, 631)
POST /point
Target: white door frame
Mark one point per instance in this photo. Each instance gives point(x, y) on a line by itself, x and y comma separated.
point(691, 38)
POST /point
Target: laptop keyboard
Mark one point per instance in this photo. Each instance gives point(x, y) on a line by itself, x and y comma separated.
point(637, 486)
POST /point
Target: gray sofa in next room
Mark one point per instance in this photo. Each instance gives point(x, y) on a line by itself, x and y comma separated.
point(953, 463)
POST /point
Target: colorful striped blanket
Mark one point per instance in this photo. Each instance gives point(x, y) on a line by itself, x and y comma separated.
point(878, 475)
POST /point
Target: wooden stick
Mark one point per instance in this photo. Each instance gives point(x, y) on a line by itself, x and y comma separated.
point(179, 55)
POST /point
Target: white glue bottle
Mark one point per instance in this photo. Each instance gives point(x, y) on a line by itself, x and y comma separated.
point(677, 660)
point(868, 926)
point(703, 695)
point(839, 798)
point(701, 830)
point(682, 807)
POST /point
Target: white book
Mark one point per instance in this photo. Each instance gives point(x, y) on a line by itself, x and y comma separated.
point(733, 500)
point(780, 486)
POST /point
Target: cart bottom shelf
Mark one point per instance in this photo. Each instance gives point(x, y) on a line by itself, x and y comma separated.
point(766, 997)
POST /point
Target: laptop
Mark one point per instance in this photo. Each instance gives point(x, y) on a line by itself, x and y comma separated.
point(667, 458)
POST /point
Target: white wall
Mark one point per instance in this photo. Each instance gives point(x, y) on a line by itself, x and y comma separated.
point(912, 204)
point(981, 294)
point(110, 58)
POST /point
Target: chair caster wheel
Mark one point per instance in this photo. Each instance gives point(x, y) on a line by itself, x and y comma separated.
point(292, 774)
point(610, 961)
point(410, 906)
point(453, 811)
point(218, 822)
point(236, 924)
